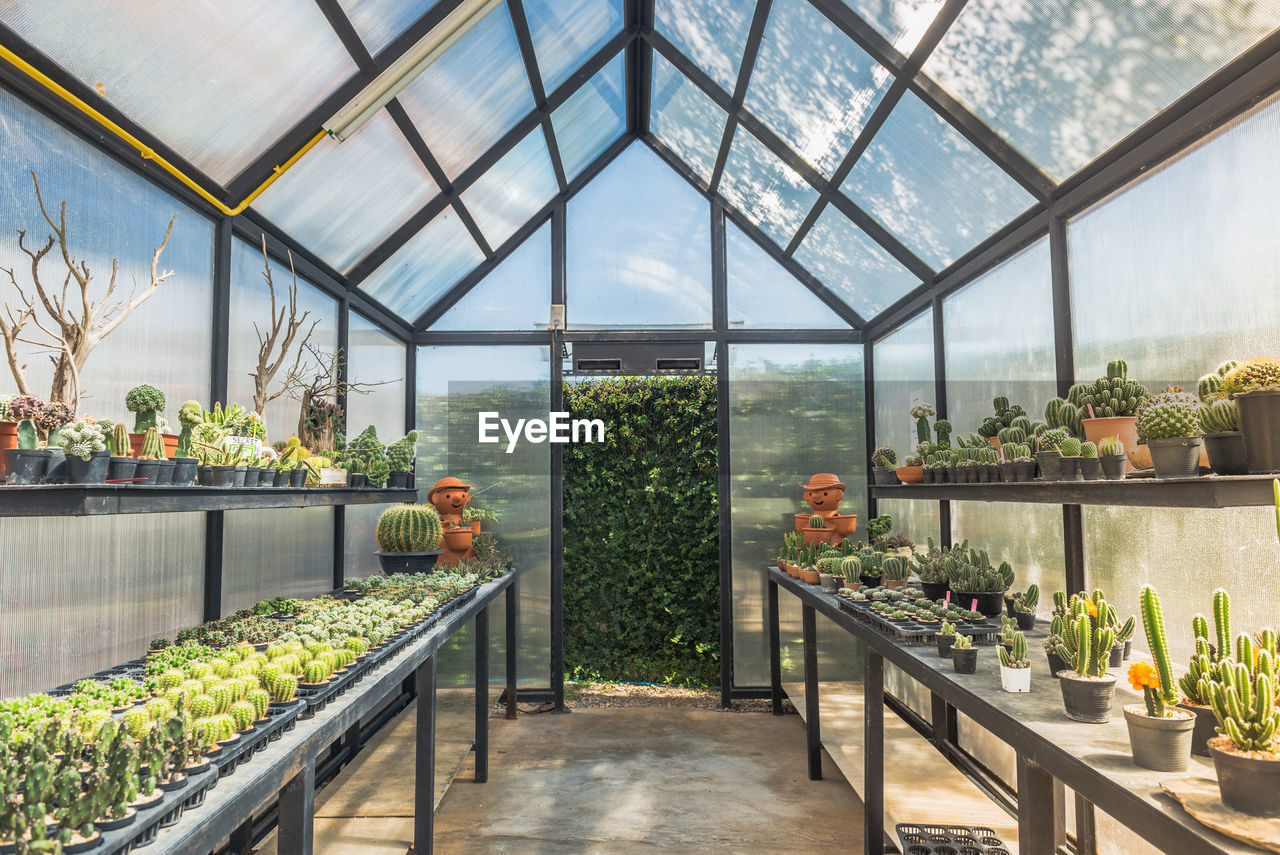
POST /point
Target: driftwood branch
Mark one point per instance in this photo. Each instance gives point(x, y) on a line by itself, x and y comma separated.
point(276, 344)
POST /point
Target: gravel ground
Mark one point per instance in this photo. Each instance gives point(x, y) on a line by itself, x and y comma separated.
point(583, 695)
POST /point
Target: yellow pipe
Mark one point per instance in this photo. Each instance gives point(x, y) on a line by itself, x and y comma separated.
point(146, 151)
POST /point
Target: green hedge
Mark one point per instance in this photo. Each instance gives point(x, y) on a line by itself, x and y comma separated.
point(641, 533)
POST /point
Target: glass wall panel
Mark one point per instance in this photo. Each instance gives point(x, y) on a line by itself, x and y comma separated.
point(430, 263)
point(763, 295)
point(219, 88)
point(639, 248)
point(902, 364)
point(685, 118)
point(771, 455)
point(1064, 80)
point(344, 198)
point(916, 518)
point(1029, 537)
point(902, 22)
point(849, 262)
point(251, 317)
point(515, 295)
point(931, 187)
point(566, 33)
point(513, 189)
point(379, 21)
point(764, 189)
point(278, 553)
point(472, 95)
point(104, 587)
point(712, 33)
point(592, 118)
point(111, 214)
point(454, 385)
point(812, 85)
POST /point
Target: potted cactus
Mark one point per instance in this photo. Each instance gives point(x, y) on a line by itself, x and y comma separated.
point(122, 465)
point(1206, 656)
point(946, 637)
point(1015, 667)
point(1246, 754)
point(911, 471)
point(408, 538)
point(1090, 465)
point(1022, 607)
point(1070, 450)
point(86, 452)
point(816, 531)
point(828, 569)
point(27, 463)
point(1049, 454)
point(145, 402)
point(895, 570)
point(883, 462)
point(1159, 732)
point(151, 457)
point(964, 656)
point(1112, 459)
point(400, 456)
point(1109, 407)
point(1087, 688)
point(976, 582)
point(1255, 387)
point(1169, 424)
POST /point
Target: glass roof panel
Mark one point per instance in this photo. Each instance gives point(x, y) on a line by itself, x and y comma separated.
point(1064, 80)
point(472, 95)
point(343, 199)
point(845, 259)
point(902, 22)
point(638, 250)
point(812, 85)
point(712, 33)
point(219, 85)
point(515, 295)
point(567, 32)
point(378, 22)
point(592, 118)
point(763, 295)
point(513, 190)
point(767, 191)
point(685, 118)
point(930, 187)
point(424, 268)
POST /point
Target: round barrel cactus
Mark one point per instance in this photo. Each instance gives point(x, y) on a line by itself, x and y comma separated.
point(408, 528)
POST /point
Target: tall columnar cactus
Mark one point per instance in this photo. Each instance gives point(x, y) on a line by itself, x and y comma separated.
point(1243, 702)
point(190, 415)
point(408, 528)
point(152, 446)
point(1222, 622)
point(1085, 648)
point(1158, 700)
point(119, 441)
point(1016, 655)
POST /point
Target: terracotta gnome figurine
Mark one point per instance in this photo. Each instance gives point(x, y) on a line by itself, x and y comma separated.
point(824, 492)
point(450, 496)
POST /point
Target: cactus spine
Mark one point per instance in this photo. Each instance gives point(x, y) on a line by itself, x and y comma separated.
point(408, 528)
point(1153, 625)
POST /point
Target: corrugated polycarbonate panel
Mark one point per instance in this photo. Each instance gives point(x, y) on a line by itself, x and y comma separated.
point(770, 458)
point(902, 363)
point(425, 267)
point(845, 259)
point(931, 187)
point(763, 295)
point(916, 518)
point(376, 358)
point(713, 33)
point(902, 22)
point(566, 33)
point(1064, 80)
point(111, 214)
point(472, 95)
point(250, 306)
point(513, 189)
point(764, 189)
point(218, 84)
point(515, 295)
point(379, 21)
point(344, 198)
point(592, 118)
point(87, 593)
point(454, 385)
point(359, 546)
point(1029, 537)
point(813, 85)
point(639, 248)
point(685, 118)
point(286, 552)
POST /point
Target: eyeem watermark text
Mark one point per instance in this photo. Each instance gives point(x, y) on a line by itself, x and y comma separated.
point(558, 428)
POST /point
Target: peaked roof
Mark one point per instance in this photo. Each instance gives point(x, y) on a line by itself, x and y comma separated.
point(868, 144)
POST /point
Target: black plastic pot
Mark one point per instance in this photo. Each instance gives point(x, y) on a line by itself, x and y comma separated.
point(204, 476)
point(1091, 468)
point(1260, 425)
point(1050, 463)
point(1206, 728)
point(1127, 647)
point(297, 477)
point(399, 480)
point(357, 480)
point(884, 476)
point(56, 469)
point(407, 562)
point(1114, 466)
point(1117, 656)
point(164, 474)
point(1088, 699)
point(1025, 470)
point(1007, 472)
point(953, 475)
point(242, 473)
point(26, 465)
point(1248, 784)
point(253, 476)
point(91, 471)
point(1056, 663)
point(990, 604)
point(934, 590)
point(870, 581)
point(944, 644)
point(279, 477)
point(147, 470)
point(1071, 468)
point(926, 474)
point(1226, 453)
point(1175, 457)
point(940, 475)
point(121, 468)
point(224, 476)
point(965, 661)
point(184, 471)
point(1026, 620)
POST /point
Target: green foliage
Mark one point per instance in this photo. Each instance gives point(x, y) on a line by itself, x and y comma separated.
point(1015, 656)
point(408, 528)
point(1220, 416)
point(1169, 414)
point(400, 453)
point(144, 401)
point(82, 440)
point(641, 532)
point(884, 457)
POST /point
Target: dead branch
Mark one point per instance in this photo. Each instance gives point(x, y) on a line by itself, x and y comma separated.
point(275, 345)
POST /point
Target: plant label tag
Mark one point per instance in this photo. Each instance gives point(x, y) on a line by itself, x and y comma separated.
point(973, 606)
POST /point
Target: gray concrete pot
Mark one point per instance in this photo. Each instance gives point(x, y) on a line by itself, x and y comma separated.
point(1226, 453)
point(1162, 744)
point(1114, 466)
point(1087, 699)
point(1249, 785)
point(1050, 463)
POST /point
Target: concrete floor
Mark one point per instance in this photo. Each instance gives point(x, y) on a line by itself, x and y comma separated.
point(616, 780)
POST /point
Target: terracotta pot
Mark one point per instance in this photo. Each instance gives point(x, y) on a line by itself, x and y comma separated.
point(811, 577)
point(994, 442)
point(818, 535)
point(1162, 744)
point(844, 524)
point(475, 526)
point(891, 584)
point(911, 474)
point(802, 522)
point(170, 444)
point(458, 539)
point(8, 439)
point(1125, 427)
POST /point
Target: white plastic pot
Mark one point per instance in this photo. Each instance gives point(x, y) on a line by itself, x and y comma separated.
point(1015, 679)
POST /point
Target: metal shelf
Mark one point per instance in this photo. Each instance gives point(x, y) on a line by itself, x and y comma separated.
point(59, 500)
point(1210, 491)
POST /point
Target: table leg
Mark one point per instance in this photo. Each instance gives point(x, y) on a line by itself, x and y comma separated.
point(873, 753)
point(513, 646)
point(482, 696)
point(424, 777)
point(812, 722)
point(297, 809)
point(775, 650)
point(1041, 826)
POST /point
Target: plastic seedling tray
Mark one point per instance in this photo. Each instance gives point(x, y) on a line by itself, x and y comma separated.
point(949, 840)
point(914, 632)
point(251, 742)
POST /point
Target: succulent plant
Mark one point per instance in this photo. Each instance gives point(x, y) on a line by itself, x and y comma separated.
point(1089, 450)
point(1222, 416)
point(1070, 447)
point(283, 688)
point(243, 715)
point(1170, 414)
point(1064, 416)
point(1027, 601)
point(400, 453)
point(1086, 648)
point(408, 528)
point(1113, 395)
point(1011, 435)
point(815, 521)
point(1111, 446)
point(962, 642)
point(972, 573)
point(144, 401)
point(82, 439)
point(1253, 375)
point(203, 706)
point(942, 429)
point(884, 457)
point(1015, 656)
point(1243, 702)
point(1051, 440)
point(829, 565)
point(1209, 387)
point(152, 446)
point(1159, 699)
point(314, 672)
point(52, 419)
point(895, 567)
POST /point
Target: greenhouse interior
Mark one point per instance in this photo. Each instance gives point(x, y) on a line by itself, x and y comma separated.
point(552, 426)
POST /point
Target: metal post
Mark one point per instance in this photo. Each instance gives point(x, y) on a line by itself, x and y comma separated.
point(297, 808)
point(513, 630)
point(775, 651)
point(938, 717)
point(557, 535)
point(424, 776)
point(869, 414)
point(1040, 810)
point(339, 546)
point(812, 717)
point(213, 521)
point(873, 752)
point(482, 695)
point(1073, 546)
point(1086, 827)
point(241, 839)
